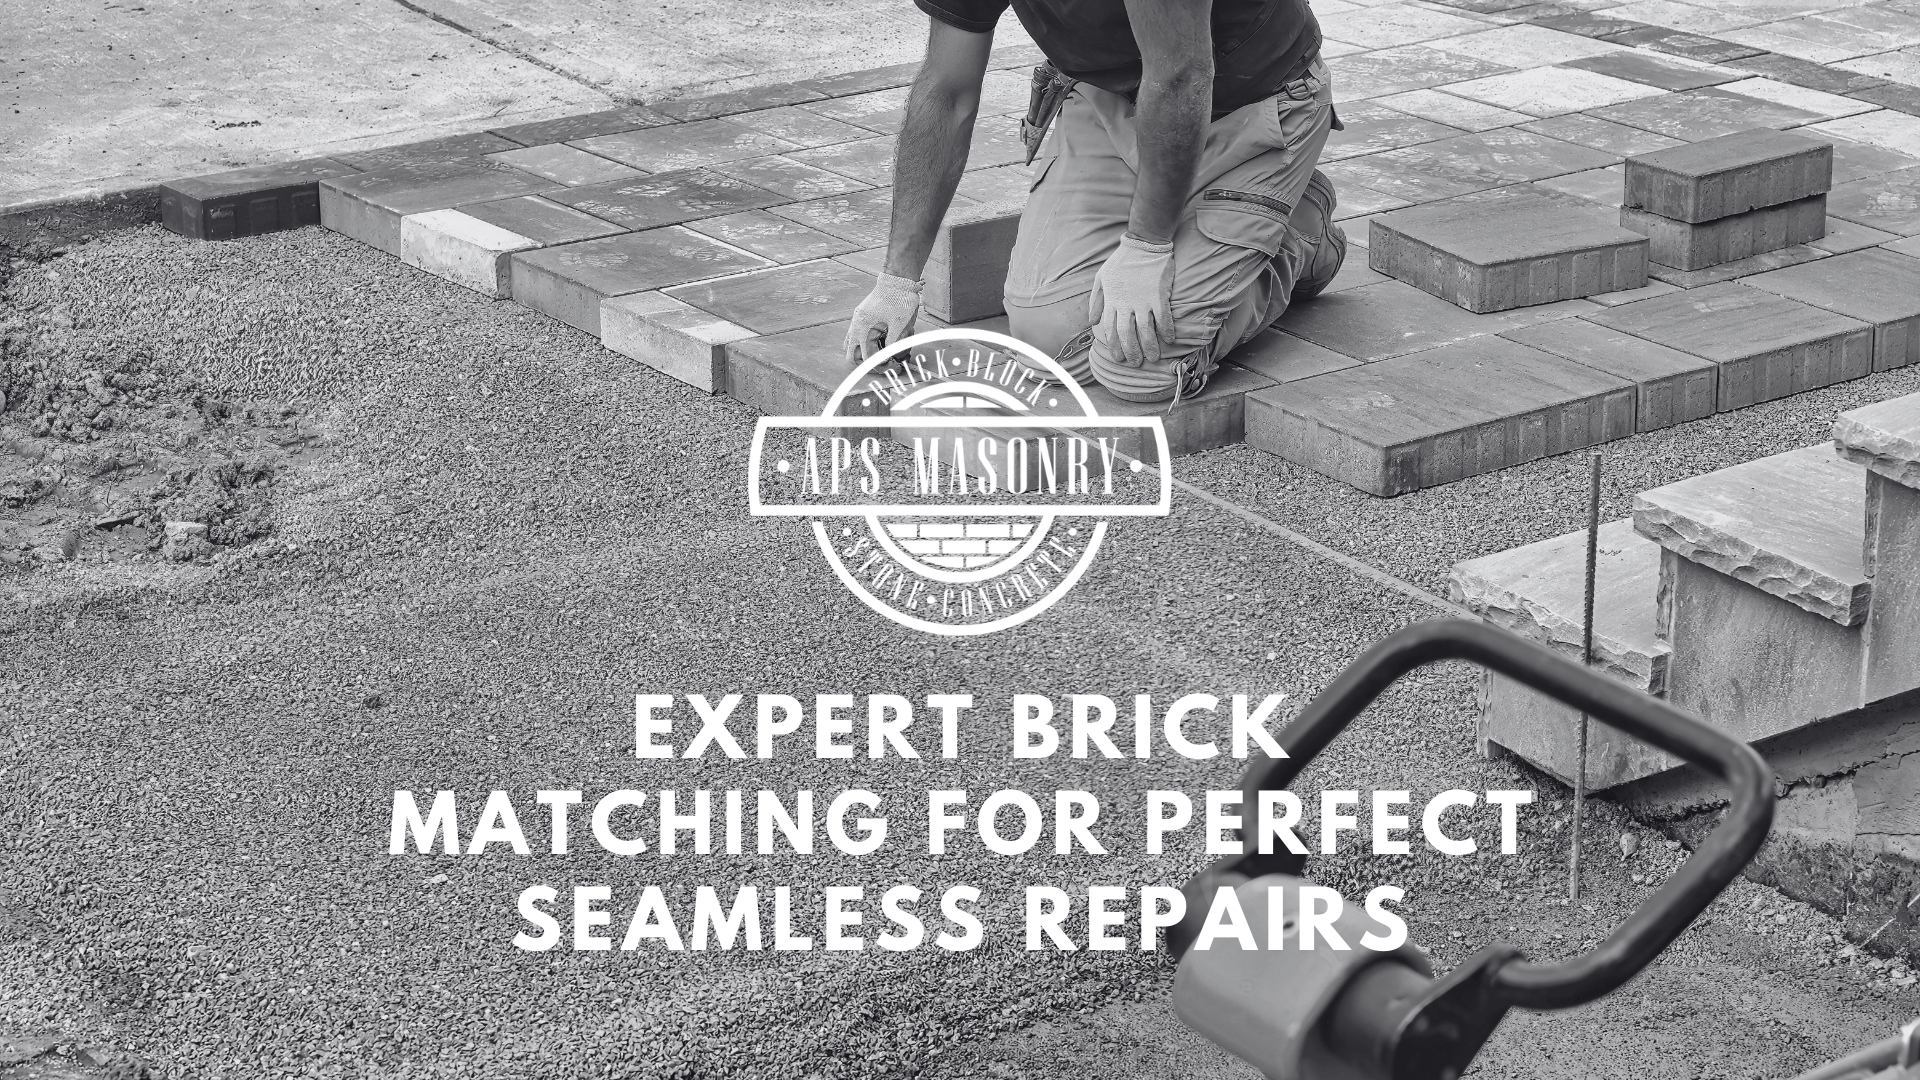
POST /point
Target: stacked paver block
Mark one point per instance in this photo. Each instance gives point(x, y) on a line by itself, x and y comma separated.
point(1728, 198)
point(1514, 247)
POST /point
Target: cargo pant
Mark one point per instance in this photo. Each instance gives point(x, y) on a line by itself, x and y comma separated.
point(1235, 259)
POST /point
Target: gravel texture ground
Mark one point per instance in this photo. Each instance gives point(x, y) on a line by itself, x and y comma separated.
point(506, 532)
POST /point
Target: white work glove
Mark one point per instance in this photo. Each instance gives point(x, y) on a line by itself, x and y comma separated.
point(884, 317)
point(1132, 303)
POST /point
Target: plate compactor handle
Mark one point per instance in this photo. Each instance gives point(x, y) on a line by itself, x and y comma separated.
point(1379, 1016)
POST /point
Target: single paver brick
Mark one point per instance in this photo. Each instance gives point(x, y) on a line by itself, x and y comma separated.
point(1390, 318)
point(1515, 248)
point(566, 165)
point(1672, 387)
point(452, 148)
point(966, 274)
point(1717, 178)
point(1706, 113)
point(605, 122)
point(1438, 416)
point(773, 237)
point(569, 281)
point(668, 199)
point(1284, 358)
point(541, 220)
point(1873, 285)
point(739, 101)
point(869, 160)
point(1889, 202)
point(883, 111)
point(1654, 70)
point(368, 206)
point(462, 249)
point(786, 298)
point(684, 146)
point(863, 217)
point(248, 202)
point(789, 178)
point(1695, 247)
point(1767, 346)
point(795, 373)
point(670, 336)
point(800, 127)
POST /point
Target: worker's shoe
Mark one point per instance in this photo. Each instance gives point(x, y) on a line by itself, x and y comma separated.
point(1322, 244)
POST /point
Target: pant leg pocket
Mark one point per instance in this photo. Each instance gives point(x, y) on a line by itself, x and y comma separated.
point(1242, 215)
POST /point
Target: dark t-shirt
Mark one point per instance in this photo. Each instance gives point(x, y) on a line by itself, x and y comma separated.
point(1258, 45)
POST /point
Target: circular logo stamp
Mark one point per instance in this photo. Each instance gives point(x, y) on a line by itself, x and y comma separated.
point(960, 481)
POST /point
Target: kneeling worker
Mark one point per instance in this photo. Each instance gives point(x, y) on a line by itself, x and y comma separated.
point(1176, 211)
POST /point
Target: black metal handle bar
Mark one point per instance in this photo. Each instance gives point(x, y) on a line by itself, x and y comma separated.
point(1510, 980)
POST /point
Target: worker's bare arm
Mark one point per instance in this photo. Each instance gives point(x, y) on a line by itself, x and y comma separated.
point(932, 151)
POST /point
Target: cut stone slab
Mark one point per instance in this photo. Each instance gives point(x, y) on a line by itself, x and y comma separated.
point(667, 199)
point(1522, 248)
point(566, 165)
point(1685, 246)
point(248, 202)
point(451, 149)
point(1873, 285)
point(1767, 346)
point(568, 282)
point(781, 299)
point(1892, 555)
point(586, 126)
point(672, 337)
point(1284, 358)
point(1672, 387)
point(1790, 525)
point(773, 237)
point(368, 206)
point(1889, 202)
point(684, 146)
point(462, 249)
point(1718, 178)
point(1538, 591)
point(1884, 438)
point(1438, 416)
point(966, 274)
point(541, 220)
point(1374, 322)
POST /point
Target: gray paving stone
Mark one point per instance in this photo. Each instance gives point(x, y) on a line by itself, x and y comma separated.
point(1672, 387)
point(1597, 134)
point(1593, 24)
point(966, 273)
point(568, 282)
point(1843, 236)
point(452, 148)
point(1908, 246)
point(882, 111)
point(1705, 113)
point(792, 374)
point(1857, 161)
point(368, 206)
point(781, 299)
point(1284, 358)
point(1406, 67)
point(860, 82)
point(861, 217)
point(248, 202)
point(667, 199)
point(541, 220)
point(1652, 289)
point(1515, 247)
point(1790, 525)
point(1679, 43)
point(1374, 322)
point(1789, 69)
point(684, 146)
point(1875, 286)
point(1889, 202)
point(1438, 416)
point(1737, 269)
point(1466, 163)
point(1599, 186)
point(1767, 346)
point(672, 337)
point(1728, 175)
point(996, 142)
point(1004, 183)
point(869, 160)
point(773, 237)
point(566, 165)
point(460, 248)
point(1654, 70)
point(585, 126)
point(1892, 553)
point(1374, 128)
point(1895, 96)
point(1695, 247)
point(1883, 437)
point(1353, 272)
point(800, 127)
point(739, 101)
point(789, 178)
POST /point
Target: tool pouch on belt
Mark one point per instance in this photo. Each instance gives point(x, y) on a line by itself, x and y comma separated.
point(1043, 104)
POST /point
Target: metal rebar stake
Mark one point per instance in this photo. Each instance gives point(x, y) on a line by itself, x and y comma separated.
point(1586, 659)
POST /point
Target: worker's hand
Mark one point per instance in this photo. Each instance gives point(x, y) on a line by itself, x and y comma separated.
point(1131, 307)
point(884, 317)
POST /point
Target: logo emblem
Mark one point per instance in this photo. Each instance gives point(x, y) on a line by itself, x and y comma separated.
point(959, 482)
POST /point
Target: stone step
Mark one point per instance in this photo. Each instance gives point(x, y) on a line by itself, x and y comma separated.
point(1686, 246)
point(1507, 248)
point(1885, 439)
point(1790, 525)
point(1436, 416)
point(1538, 592)
point(1732, 174)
